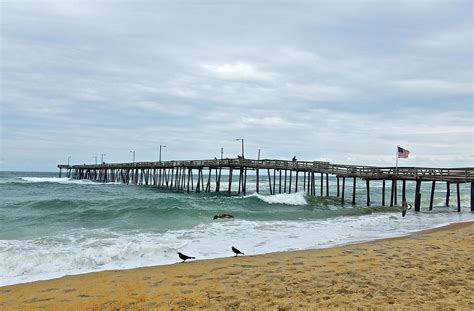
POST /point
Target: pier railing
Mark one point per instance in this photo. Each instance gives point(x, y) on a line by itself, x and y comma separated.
point(365, 172)
point(178, 175)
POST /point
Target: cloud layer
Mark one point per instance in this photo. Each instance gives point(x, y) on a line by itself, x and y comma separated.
point(344, 82)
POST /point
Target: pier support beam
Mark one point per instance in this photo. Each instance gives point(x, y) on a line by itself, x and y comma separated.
point(392, 193)
point(353, 191)
point(458, 197)
point(337, 185)
point(198, 186)
point(472, 196)
point(448, 192)
point(258, 180)
point(417, 195)
point(269, 181)
point(395, 197)
point(279, 181)
point(244, 186)
point(343, 189)
point(383, 192)
point(304, 181)
point(296, 181)
point(289, 187)
point(218, 186)
point(230, 181)
point(274, 181)
point(322, 178)
point(240, 181)
point(433, 185)
point(404, 187)
point(327, 184)
point(189, 178)
point(208, 185)
point(308, 184)
point(368, 191)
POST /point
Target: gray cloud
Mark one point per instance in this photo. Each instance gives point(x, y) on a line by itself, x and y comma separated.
point(345, 82)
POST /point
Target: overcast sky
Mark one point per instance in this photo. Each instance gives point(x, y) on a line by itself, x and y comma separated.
point(341, 81)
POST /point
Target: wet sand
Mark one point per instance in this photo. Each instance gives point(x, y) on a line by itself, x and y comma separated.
point(432, 269)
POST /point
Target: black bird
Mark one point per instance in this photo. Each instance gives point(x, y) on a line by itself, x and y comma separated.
point(185, 257)
point(236, 251)
point(222, 216)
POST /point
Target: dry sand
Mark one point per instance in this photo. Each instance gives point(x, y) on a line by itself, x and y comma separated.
point(433, 269)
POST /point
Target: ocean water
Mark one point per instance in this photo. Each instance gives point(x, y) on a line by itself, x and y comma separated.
point(50, 226)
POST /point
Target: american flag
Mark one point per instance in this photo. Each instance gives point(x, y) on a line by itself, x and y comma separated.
point(403, 153)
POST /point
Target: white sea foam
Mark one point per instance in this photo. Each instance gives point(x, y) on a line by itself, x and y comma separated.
point(63, 180)
point(84, 250)
point(297, 198)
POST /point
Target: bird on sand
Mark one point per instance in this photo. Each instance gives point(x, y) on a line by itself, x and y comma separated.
point(236, 251)
point(185, 257)
point(405, 207)
point(219, 216)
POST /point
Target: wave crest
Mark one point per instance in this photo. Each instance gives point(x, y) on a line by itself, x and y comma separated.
point(62, 180)
point(297, 198)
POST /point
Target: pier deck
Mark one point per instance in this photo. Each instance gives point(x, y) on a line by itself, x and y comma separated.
point(178, 175)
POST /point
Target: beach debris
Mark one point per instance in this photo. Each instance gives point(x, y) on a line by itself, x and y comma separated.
point(236, 251)
point(221, 216)
point(405, 207)
point(185, 257)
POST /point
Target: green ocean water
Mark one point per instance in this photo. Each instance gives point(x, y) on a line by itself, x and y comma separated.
point(66, 226)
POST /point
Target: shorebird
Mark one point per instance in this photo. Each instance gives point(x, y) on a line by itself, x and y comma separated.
point(405, 207)
point(236, 251)
point(218, 216)
point(185, 257)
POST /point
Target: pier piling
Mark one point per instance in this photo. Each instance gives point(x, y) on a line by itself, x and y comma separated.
point(458, 197)
point(448, 192)
point(343, 189)
point(417, 195)
point(383, 192)
point(354, 191)
point(433, 185)
point(368, 191)
point(179, 176)
point(472, 196)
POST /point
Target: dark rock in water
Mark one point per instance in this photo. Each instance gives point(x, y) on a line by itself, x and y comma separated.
point(220, 216)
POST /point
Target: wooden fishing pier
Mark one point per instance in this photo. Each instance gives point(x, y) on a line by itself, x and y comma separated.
point(281, 176)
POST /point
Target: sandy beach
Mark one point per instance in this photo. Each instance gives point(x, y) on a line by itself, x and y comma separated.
point(431, 269)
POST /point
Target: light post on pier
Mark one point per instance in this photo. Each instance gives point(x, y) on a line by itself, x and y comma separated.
point(95, 157)
point(222, 153)
point(242, 140)
point(133, 152)
point(258, 158)
point(68, 158)
point(102, 155)
point(161, 146)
